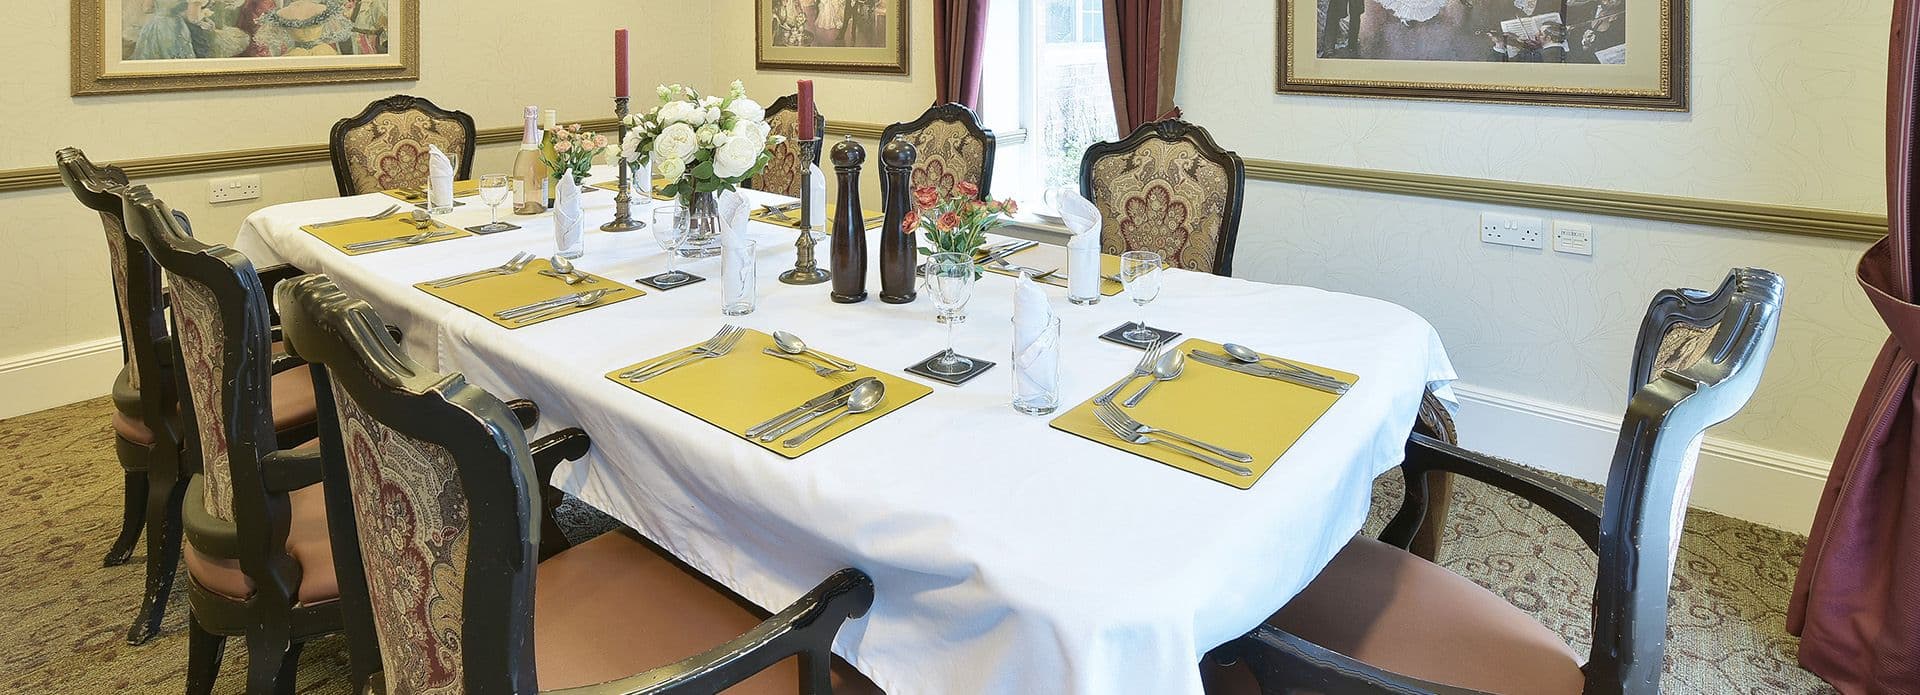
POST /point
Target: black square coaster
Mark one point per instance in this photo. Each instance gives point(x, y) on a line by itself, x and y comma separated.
point(494, 228)
point(1114, 336)
point(670, 281)
point(980, 366)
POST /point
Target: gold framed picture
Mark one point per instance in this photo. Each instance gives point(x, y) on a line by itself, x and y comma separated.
point(1629, 54)
point(831, 35)
point(126, 46)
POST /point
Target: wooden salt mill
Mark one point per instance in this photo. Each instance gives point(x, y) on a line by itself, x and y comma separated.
point(897, 256)
point(849, 242)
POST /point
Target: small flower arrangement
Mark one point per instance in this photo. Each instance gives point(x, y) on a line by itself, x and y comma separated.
point(957, 223)
point(700, 144)
point(573, 150)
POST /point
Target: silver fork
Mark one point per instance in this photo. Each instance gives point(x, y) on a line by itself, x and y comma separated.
point(1120, 430)
point(817, 369)
point(351, 220)
point(711, 343)
point(1144, 368)
point(1120, 417)
point(1002, 265)
point(513, 265)
point(725, 347)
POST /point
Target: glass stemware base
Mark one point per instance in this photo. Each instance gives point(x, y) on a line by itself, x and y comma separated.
point(950, 362)
point(1140, 333)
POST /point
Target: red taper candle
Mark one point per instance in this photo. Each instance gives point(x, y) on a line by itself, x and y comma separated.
point(806, 110)
point(619, 62)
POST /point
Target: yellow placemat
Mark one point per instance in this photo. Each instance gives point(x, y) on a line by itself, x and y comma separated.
point(461, 189)
point(615, 187)
point(745, 388)
point(501, 292)
point(1049, 257)
point(339, 236)
point(1256, 415)
point(875, 218)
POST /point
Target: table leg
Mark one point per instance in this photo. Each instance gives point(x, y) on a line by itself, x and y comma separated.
point(1426, 543)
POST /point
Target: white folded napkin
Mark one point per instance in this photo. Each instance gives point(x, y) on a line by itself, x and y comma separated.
point(439, 178)
point(1083, 249)
point(569, 221)
point(1035, 352)
point(819, 200)
point(735, 245)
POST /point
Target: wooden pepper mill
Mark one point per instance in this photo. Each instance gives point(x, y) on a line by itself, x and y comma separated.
point(897, 259)
point(849, 242)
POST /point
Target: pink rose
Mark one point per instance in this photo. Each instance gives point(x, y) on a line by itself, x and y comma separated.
point(599, 141)
point(563, 146)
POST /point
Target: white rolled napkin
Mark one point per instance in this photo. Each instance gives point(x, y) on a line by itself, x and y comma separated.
point(1035, 354)
point(569, 221)
point(819, 200)
point(439, 178)
point(732, 208)
point(1083, 248)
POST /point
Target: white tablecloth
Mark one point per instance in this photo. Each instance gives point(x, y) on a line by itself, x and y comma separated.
point(1007, 557)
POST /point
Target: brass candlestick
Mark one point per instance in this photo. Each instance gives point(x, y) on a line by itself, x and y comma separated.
point(623, 200)
point(806, 269)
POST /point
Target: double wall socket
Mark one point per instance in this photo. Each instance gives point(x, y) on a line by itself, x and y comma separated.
point(233, 188)
point(1513, 230)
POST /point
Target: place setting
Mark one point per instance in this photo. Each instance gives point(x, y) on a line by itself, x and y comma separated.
point(391, 228)
point(772, 389)
point(527, 290)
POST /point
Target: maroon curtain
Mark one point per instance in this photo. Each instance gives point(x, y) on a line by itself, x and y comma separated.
point(1143, 58)
point(959, 39)
point(1856, 603)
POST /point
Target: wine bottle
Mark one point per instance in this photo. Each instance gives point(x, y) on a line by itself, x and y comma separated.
point(897, 259)
point(849, 241)
point(529, 174)
point(547, 154)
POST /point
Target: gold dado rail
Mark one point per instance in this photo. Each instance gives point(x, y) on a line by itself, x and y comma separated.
point(1761, 217)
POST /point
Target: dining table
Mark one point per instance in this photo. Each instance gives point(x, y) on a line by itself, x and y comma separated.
point(1006, 556)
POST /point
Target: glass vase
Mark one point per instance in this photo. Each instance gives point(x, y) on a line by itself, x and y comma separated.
point(700, 242)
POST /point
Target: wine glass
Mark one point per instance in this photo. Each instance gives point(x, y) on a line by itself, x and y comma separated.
point(494, 190)
point(1140, 272)
point(950, 280)
point(668, 231)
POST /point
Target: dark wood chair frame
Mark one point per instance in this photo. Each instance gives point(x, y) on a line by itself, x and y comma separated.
point(1175, 130)
point(1632, 532)
point(398, 103)
point(952, 113)
point(342, 338)
point(791, 102)
point(263, 470)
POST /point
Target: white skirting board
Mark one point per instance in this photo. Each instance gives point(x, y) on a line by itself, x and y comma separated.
point(1764, 486)
point(52, 378)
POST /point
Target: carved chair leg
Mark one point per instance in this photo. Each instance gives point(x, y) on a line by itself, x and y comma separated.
point(1426, 543)
point(165, 492)
point(267, 648)
point(290, 669)
point(204, 650)
point(553, 541)
point(816, 673)
point(133, 514)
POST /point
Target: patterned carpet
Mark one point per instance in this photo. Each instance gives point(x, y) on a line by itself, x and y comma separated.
point(66, 615)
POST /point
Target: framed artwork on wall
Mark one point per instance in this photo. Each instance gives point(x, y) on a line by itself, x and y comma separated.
point(124, 46)
point(1629, 54)
point(831, 35)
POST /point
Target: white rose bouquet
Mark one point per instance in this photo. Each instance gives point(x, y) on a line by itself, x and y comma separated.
point(700, 144)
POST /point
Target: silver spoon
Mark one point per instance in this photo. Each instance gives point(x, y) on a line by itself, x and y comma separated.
point(1247, 355)
point(563, 269)
point(865, 397)
point(793, 345)
point(584, 300)
point(421, 220)
point(1167, 369)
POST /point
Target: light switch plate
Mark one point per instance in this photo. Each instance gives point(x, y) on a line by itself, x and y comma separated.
point(233, 188)
point(1573, 237)
point(1512, 230)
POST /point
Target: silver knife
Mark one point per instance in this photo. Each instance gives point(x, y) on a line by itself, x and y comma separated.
point(817, 401)
point(382, 244)
point(1316, 383)
point(1016, 248)
point(536, 306)
point(1287, 366)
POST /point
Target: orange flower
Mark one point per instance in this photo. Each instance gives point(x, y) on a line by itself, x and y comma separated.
point(948, 221)
point(912, 220)
point(926, 197)
point(1010, 206)
point(966, 188)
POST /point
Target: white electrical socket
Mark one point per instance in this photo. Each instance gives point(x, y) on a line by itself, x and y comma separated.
point(1512, 230)
point(1573, 237)
point(233, 188)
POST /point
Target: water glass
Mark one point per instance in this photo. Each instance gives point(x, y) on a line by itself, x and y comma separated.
point(739, 292)
point(950, 281)
point(437, 204)
point(668, 232)
point(1140, 272)
point(1036, 372)
point(495, 189)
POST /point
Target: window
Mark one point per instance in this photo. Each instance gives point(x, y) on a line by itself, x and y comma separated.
point(1046, 77)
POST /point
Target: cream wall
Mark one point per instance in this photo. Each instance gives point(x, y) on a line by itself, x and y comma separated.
point(59, 316)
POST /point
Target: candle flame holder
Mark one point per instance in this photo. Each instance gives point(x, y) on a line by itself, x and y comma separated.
point(806, 266)
point(623, 200)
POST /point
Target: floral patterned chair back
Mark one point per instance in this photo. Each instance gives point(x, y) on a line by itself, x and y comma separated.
point(136, 279)
point(1167, 188)
point(385, 147)
point(949, 147)
point(783, 173)
point(436, 531)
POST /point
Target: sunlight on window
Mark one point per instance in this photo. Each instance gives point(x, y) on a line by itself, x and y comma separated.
point(1046, 75)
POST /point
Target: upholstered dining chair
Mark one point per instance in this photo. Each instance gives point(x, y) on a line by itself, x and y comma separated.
point(782, 174)
point(259, 563)
point(1380, 620)
point(951, 148)
point(439, 532)
point(385, 146)
point(1169, 189)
